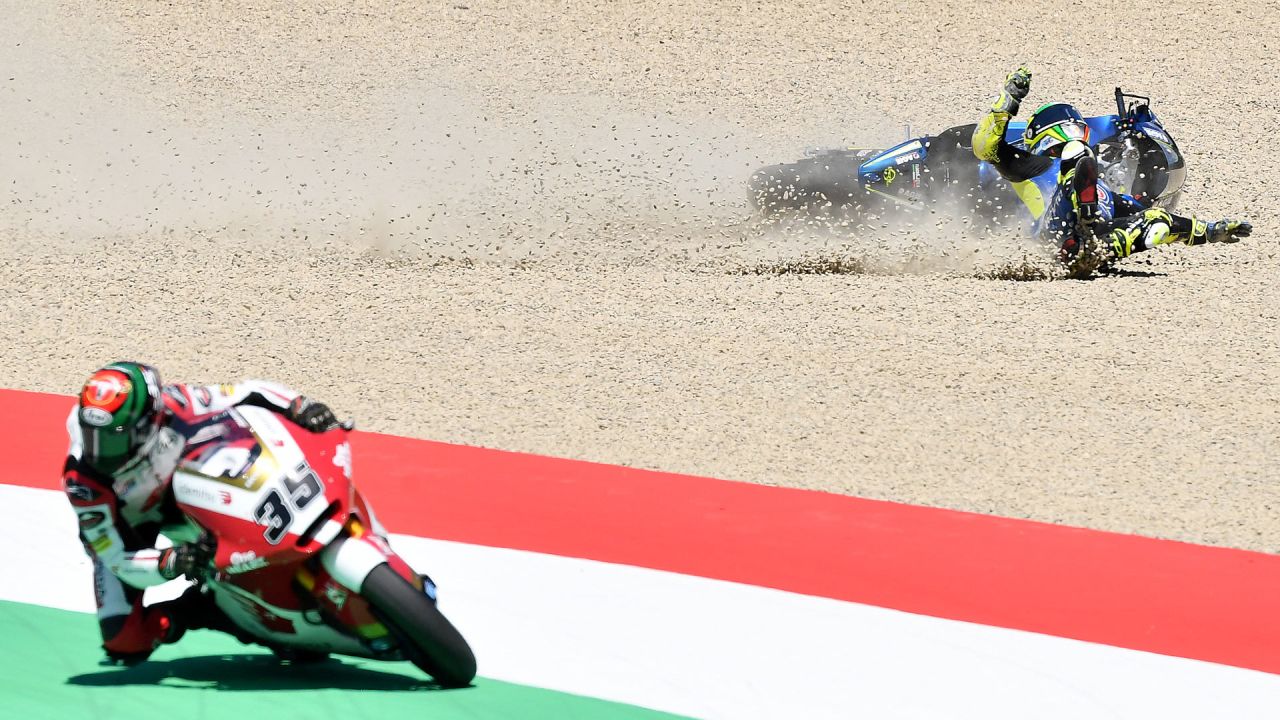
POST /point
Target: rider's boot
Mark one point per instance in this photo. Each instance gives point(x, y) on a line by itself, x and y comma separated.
point(196, 610)
point(1084, 188)
point(130, 639)
point(1081, 173)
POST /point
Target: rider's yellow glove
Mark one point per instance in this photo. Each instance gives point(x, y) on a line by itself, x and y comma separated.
point(1016, 86)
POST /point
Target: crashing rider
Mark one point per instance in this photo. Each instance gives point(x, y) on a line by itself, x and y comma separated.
point(1054, 172)
point(128, 432)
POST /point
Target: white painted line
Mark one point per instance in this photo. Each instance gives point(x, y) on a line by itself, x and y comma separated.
point(715, 649)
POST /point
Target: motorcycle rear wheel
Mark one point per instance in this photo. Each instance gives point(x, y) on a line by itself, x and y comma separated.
point(827, 181)
point(429, 640)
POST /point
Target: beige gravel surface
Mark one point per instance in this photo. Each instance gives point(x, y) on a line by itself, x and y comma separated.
point(522, 226)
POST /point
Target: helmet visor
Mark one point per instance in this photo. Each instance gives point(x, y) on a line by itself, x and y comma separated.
point(1050, 140)
point(107, 449)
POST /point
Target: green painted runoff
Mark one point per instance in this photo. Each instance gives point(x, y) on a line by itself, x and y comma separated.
point(49, 668)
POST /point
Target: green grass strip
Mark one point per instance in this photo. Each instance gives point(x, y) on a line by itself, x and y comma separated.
point(50, 668)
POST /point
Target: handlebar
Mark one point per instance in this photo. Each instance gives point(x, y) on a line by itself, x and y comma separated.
point(1124, 110)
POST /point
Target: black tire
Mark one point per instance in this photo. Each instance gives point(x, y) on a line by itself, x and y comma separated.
point(434, 644)
point(828, 180)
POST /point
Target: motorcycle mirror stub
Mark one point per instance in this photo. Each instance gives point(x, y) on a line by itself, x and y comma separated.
point(1123, 109)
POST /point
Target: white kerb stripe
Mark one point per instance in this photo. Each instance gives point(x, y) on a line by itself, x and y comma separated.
point(715, 649)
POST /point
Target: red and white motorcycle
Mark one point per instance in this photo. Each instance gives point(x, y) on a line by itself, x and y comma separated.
point(298, 563)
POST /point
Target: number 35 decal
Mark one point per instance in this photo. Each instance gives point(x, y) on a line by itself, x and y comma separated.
point(275, 511)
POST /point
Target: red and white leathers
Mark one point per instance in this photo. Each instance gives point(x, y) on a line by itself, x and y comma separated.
point(121, 516)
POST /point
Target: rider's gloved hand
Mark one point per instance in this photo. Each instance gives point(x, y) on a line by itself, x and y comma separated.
point(1228, 231)
point(314, 416)
point(1016, 86)
point(1018, 83)
point(191, 559)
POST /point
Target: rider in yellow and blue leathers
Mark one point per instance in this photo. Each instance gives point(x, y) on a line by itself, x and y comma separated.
point(1053, 171)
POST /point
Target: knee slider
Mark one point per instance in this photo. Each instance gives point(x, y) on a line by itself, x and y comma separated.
point(1157, 233)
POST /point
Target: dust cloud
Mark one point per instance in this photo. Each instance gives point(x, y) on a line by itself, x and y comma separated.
point(434, 172)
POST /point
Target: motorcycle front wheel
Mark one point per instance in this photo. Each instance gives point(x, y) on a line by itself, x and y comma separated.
point(427, 637)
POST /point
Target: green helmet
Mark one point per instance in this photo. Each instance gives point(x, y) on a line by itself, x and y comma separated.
point(1052, 126)
point(119, 414)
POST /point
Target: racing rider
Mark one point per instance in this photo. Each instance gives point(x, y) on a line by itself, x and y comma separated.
point(1053, 171)
point(128, 432)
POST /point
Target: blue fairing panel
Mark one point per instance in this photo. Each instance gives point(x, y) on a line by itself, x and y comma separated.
point(901, 154)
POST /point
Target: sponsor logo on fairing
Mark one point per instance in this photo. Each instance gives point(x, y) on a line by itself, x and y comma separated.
point(95, 416)
point(242, 562)
point(335, 594)
point(186, 492)
point(342, 459)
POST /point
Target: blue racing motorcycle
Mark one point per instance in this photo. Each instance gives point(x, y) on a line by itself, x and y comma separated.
point(1135, 154)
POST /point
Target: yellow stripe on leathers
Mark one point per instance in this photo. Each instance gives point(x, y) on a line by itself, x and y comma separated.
point(986, 143)
point(987, 135)
point(1030, 195)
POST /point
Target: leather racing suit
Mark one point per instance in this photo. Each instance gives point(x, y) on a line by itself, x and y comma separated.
point(120, 517)
point(1064, 196)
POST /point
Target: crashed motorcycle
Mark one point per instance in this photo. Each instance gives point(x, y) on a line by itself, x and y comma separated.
point(1136, 156)
point(300, 564)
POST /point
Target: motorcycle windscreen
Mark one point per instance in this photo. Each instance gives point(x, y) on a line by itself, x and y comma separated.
point(1175, 168)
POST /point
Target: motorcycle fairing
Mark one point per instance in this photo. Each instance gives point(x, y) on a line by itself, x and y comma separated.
point(260, 491)
point(896, 173)
point(275, 496)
